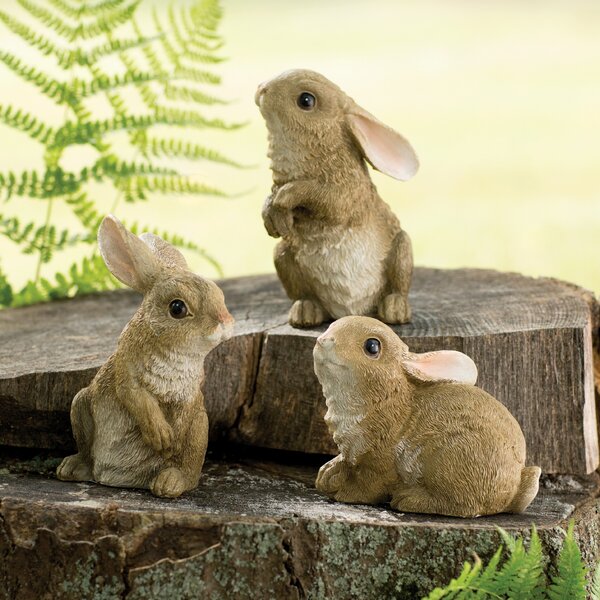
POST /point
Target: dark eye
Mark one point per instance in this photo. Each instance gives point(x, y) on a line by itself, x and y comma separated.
point(178, 309)
point(306, 101)
point(373, 347)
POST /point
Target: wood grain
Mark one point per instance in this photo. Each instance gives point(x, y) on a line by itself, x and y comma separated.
point(532, 340)
point(254, 528)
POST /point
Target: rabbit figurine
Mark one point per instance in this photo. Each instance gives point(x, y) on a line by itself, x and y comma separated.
point(141, 422)
point(342, 250)
point(413, 430)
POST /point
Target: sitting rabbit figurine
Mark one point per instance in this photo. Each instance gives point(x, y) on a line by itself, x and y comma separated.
point(342, 250)
point(141, 422)
point(413, 430)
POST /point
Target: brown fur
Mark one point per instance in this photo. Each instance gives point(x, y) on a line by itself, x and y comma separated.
point(141, 422)
point(413, 430)
point(342, 250)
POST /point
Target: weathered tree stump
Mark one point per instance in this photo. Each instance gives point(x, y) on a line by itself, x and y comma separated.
point(531, 339)
point(252, 529)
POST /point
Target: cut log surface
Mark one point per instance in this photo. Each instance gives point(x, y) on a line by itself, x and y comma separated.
point(253, 528)
point(532, 340)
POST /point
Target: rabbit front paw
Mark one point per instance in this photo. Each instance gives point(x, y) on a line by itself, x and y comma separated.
point(394, 309)
point(169, 483)
point(74, 468)
point(332, 475)
point(306, 313)
point(278, 221)
point(158, 435)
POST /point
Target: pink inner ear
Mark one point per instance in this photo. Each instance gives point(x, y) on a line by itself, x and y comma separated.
point(446, 365)
point(384, 148)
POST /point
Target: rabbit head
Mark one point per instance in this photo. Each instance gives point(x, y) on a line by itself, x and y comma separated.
point(365, 354)
point(312, 121)
point(179, 307)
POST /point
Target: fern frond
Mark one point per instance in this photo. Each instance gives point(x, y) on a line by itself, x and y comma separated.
point(464, 582)
point(48, 19)
point(175, 148)
point(54, 182)
point(104, 83)
point(186, 94)
point(114, 46)
point(45, 239)
point(23, 121)
point(570, 578)
point(66, 8)
point(107, 20)
point(196, 75)
point(87, 8)
point(112, 167)
point(84, 133)
point(37, 40)
point(137, 187)
point(85, 211)
point(53, 89)
point(90, 275)
point(6, 292)
point(485, 582)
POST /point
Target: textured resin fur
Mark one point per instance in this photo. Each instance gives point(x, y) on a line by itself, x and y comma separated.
point(142, 422)
point(342, 250)
point(413, 430)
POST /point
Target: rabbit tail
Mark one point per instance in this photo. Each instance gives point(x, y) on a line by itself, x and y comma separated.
point(527, 490)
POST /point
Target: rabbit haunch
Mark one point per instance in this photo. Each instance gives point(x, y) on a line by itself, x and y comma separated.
point(342, 250)
point(142, 422)
point(413, 430)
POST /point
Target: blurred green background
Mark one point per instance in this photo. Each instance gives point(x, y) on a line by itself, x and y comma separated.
point(501, 100)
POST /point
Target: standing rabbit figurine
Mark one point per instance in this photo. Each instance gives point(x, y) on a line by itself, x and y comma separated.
point(141, 422)
point(413, 430)
point(342, 250)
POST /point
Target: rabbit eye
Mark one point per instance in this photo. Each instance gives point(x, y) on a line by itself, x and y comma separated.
point(306, 101)
point(372, 347)
point(178, 309)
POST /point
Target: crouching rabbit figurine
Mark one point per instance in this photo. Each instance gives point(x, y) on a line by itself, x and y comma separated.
point(413, 430)
point(141, 422)
point(342, 250)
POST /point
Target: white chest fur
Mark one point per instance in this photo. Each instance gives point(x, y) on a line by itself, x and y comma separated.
point(346, 267)
point(345, 411)
point(174, 375)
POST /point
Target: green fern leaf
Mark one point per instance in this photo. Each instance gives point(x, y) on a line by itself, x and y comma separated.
point(19, 119)
point(185, 94)
point(174, 148)
point(52, 88)
point(570, 578)
point(466, 581)
point(48, 19)
point(6, 292)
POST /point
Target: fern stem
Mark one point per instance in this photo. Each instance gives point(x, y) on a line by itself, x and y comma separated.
point(42, 248)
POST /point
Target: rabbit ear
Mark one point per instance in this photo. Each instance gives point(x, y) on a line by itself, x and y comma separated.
point(128, 258)
point(445, 365)
point(384, 148)
point(167, 254)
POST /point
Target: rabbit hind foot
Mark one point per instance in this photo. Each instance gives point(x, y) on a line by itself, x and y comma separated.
point(394, 309)
point(307, 313)
point(75, 468)
point(169, 483)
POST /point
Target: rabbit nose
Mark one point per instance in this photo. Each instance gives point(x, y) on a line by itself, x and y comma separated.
point(326, 342)
point(226, 318)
